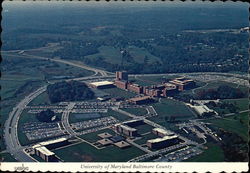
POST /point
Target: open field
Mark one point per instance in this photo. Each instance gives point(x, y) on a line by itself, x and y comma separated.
point(212, 154)
point(242, 104)
point(136, 111)
point(237, 124)
point(110, 54)
point(42, 99)
point(116, 115)
point(116, 92)
point(84, 152)
point(139, 54)
point(168, 107)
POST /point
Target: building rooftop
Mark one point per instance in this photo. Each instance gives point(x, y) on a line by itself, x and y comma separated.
point(165, 138)
point(44, 151)
point(105, 142)
point(104, 135)
point(53, 141)
point(122, 144)
point(127, 128)
point(164, 132)
point(117, 138)
point(132, 121)
point(139, 98)
point(101, 83)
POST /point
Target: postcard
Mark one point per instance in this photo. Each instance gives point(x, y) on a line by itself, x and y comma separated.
point(132, 86)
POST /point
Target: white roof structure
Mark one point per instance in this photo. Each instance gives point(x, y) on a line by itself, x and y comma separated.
point(101, 83)
point(127, 128)
point(162, 131)
point(53, 141)
point(45, 151)
point(165, 138)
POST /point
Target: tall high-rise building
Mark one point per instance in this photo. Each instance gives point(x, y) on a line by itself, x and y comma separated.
point(121, 75)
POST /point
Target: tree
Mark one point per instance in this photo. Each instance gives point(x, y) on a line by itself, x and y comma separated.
point(46, 116)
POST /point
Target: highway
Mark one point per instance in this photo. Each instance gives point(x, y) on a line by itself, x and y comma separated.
point(75, 64)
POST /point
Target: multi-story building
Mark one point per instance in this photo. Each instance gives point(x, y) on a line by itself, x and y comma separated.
point(182, 83)
point(169, 90)
point(43, 148)
point(135, 88)
point(121, 84)
point(161, 132)
point(134, 122)
point(126, 130)
point(44, 153)
point(159, 143)
point(121, 75)
point(140, 100)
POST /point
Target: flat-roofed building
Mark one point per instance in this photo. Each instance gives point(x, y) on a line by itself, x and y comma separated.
point(183, 83)
point(121, 75)
point(141, 100)
point(166, 141)
point(117, 138)
point(135, 88)
point(122, 84)
point(51, 144)
point(161, 132)
point(122, 144)
point(134, 122)
point(105, 142)
point(169, 90)
point(102, 84)
point(42, 149)
point(126, 130)
point(44, 153)
point(104, 135)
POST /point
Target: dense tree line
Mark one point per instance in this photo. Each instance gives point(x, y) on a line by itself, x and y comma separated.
point(69, 91)
point(222, 92)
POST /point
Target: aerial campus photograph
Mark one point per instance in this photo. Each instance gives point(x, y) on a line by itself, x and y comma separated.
point(124, 81)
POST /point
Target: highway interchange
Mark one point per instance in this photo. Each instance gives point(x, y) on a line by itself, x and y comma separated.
point(12, 143)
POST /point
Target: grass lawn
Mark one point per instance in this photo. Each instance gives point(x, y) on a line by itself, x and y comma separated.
point(116, 115)
point(116, 92)
point(169, 107)
point(136, 111)
point(144, 139)
point(6, 157)
point(237, 124)
point(42, 99)
point(92, 137)
point(111, 54)
point(144, 128)
point(84, 152)
point(212, 154)
point(242, 104)
point(139, 54)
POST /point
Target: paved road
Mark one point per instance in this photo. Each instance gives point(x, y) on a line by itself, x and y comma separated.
point(10, 128)
point(75, 64)
point(65, 119)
